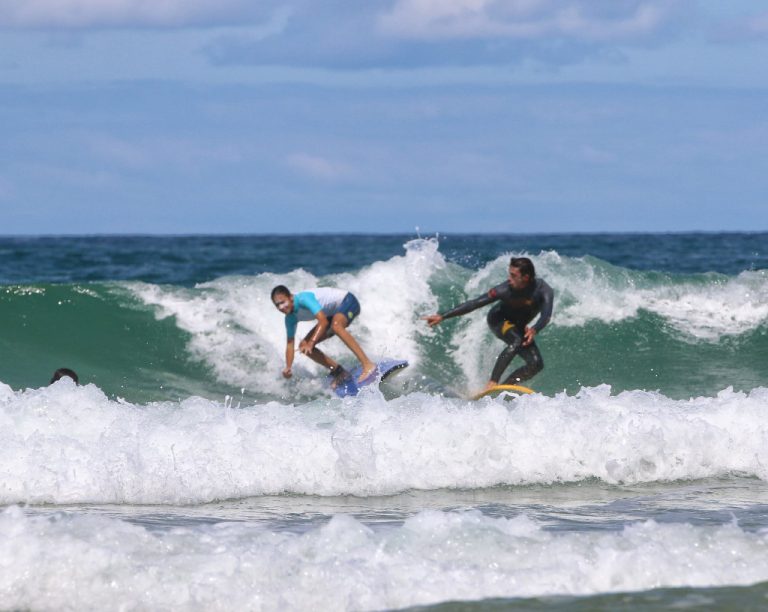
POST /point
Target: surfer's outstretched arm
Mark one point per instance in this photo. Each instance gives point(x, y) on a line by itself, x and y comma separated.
point(462, 309)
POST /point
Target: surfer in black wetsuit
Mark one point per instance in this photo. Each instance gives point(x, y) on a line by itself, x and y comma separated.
point(520, 299)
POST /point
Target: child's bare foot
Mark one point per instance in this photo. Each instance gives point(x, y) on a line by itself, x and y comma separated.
point(338, 374)
point(368, 369)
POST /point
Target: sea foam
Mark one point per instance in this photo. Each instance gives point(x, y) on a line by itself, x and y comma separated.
point(75, 562)
point(239, 334)
point(69, 444)
point(704, 307)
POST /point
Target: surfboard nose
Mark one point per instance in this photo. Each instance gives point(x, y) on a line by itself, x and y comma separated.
point(384, 368)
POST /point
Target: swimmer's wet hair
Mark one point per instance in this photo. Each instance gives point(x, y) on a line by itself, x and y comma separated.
point(61, 373)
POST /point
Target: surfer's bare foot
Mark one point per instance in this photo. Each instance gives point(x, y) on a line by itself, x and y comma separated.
point(338, 374)
point(491, 384)
point(368, 369)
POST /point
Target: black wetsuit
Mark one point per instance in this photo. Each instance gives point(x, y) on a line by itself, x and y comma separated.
point(508, 319)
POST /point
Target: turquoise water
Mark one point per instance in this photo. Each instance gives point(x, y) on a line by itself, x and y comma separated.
point(186, 473)
point(684, 313)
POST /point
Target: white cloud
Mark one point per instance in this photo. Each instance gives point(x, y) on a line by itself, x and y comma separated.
point(758, 25)
point(596, 155)
point(119, 13)
point(745, 28)
point(592, 20)
point(66, 175)
point(163, 152)
point(318, 167)
point(121, 152)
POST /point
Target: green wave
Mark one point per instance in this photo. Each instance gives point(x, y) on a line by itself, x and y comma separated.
point(114, 340)
point(101, 332)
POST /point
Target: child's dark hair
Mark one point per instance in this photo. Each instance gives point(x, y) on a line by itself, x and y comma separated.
point(279, 290)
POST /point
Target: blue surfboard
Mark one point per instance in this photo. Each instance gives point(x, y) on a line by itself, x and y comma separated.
point(384, 368)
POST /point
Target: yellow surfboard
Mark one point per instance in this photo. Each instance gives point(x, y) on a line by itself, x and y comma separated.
point(498, 389)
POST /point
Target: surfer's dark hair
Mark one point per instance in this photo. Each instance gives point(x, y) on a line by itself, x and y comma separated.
point(525, 266)
point(280, 290)
point(61, 373)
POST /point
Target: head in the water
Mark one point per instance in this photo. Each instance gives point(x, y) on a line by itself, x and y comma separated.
point(64, 372)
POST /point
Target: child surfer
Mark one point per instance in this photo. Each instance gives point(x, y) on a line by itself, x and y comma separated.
point(334, 310)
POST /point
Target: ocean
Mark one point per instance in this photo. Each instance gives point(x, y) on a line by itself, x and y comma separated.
point(184, 473)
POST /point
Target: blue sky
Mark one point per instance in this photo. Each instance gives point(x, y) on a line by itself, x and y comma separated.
point(248, 116)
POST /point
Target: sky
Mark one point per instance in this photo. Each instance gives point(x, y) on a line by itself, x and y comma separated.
point(257, 116)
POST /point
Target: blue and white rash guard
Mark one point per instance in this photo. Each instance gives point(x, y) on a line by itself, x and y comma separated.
point(306, 305)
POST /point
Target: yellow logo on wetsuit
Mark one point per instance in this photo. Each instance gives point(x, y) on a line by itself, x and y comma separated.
point(506, 326)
